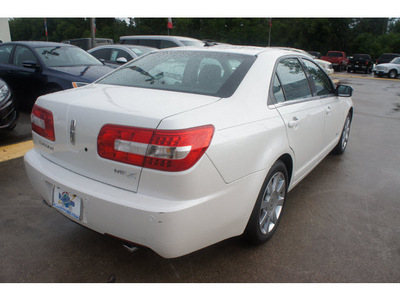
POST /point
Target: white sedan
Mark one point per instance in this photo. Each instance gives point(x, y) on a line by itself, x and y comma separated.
point(183, 148)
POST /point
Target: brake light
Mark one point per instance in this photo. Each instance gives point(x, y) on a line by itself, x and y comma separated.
point(165, 150)
point(42, 122)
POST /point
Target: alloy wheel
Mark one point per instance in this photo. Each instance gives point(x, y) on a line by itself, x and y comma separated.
point(272, 203)
point(346, 133)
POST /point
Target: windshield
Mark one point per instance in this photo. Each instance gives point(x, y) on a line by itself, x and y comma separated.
point(363, 56)
point(207, 73)
point(61, 56)
point(141, 50)
point(192, 43)
point(396, 61)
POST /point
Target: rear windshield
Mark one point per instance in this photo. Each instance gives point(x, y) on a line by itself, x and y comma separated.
point(388, 56)
point(363, 56)
point(198, 72)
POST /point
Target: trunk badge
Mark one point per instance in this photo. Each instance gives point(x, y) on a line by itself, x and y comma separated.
point(72, 132)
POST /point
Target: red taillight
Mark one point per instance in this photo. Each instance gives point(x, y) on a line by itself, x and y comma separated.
point(42, 122)
point(166, 150)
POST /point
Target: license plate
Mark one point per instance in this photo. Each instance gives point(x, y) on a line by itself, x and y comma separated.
point(67, 202)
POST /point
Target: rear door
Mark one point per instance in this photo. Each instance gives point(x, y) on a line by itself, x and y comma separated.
point(302, 113)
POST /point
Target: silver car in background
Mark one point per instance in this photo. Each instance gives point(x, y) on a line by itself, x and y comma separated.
point(116, 55)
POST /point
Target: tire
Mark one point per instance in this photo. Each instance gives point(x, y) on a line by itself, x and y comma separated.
point(392, 74)
point(344, 137)
point(267, 211)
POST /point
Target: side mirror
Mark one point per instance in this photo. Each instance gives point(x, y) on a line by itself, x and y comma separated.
point(344, 91)
point(121, 60)
point(30, 65)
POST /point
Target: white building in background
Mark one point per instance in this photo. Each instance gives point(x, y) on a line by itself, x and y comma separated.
point(5, 35)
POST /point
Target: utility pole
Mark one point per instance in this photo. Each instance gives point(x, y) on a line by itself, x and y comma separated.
point(92, 31)
point(269, 35)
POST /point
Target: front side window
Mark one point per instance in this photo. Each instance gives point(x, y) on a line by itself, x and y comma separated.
point(5, 53)
point(23, 54)
point(216, 74)
point(102, 54)
point(60, 56)
point(322, 83)
point(117, 53)
point(293, 79)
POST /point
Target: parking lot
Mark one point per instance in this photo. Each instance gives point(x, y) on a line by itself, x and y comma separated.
point(341, 224)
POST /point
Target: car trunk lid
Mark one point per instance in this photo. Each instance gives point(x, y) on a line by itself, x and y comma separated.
point(80, 114)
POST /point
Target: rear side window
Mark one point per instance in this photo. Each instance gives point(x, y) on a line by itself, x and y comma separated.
point(129, 42)
point(150, 43)
point(167, 44)
point(208, 73)
point(5, 52)
point(293, 80)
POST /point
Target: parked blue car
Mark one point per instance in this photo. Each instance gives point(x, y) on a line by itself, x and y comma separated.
point(32, 69)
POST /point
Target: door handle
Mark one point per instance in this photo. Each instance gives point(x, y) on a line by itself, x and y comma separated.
point(294, 123)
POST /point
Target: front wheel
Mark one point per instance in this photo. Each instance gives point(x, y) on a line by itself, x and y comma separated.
point(268, 209)
point(392, 74)
point(344, 138)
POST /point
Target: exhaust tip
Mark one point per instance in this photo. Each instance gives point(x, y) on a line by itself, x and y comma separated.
point(130, 247)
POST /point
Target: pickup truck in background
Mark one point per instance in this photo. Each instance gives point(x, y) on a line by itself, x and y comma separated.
point(337, 58)
point(360, 62)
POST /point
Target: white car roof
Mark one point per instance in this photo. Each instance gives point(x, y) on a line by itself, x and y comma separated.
point(249, 50)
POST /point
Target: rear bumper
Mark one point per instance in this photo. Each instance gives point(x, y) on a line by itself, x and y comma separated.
point(171, 228)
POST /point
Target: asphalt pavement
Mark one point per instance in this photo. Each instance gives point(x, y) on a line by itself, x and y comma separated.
point(340, 224)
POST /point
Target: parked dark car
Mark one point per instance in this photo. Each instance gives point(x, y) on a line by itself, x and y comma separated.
point(315, 54)
point(360, 62)
point(32, 69)
point(386, 58)
point(116, 55)
point(8, 112)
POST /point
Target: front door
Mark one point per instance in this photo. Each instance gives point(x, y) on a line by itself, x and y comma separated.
point(302, 113)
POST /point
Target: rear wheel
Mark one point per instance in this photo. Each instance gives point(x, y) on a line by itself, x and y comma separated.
point(268, 209)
